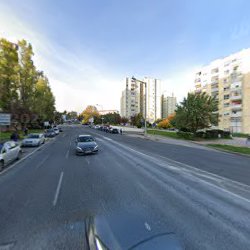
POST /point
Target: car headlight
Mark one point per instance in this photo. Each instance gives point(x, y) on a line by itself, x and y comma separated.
point(96, 147)
point(78, 148)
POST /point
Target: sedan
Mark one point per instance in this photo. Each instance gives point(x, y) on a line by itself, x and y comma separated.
point(33, 140)
point(9, 151)
point(50, 133)
point(56, 131)
point(86, 144)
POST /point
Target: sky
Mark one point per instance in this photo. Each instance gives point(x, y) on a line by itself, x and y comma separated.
point(88, 47)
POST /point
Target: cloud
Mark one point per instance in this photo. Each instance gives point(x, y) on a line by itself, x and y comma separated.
point(75, 79)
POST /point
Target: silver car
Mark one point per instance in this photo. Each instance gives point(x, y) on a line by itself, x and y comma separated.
point(86, 144)
point(33, 140)
point(9, 151)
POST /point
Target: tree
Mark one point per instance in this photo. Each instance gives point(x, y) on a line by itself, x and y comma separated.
point(136, 120)
point(124, 120)
point(89, 112)
point(8, 76)
point(112, 118)
point(165, 123)
point(196, 112)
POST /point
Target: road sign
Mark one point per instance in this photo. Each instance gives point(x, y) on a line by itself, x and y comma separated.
point(5, 119)
point(46, 124)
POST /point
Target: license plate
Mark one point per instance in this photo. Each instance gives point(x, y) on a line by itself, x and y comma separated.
point(88, 151)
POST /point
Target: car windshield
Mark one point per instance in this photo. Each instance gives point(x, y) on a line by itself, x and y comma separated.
point(85, 139)
point(32, 136)
point(50, 130)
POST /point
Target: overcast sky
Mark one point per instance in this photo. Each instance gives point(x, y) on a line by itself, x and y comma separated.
point(88, 47)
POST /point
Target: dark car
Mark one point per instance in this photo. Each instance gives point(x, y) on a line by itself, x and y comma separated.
point(129, 231)
point(60, 129)
point(50, 133)
point(115, 131)
point(86, 144)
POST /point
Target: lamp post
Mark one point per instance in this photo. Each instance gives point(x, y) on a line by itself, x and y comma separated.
point(145, 118)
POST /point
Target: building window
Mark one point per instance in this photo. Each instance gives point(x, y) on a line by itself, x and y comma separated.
point(215, 70)
point(226, 105)
point(226, 97)
point(226, 72)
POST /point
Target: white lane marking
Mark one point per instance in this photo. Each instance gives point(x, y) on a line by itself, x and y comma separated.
point(58, 189)
point(108, 139)
point(87, 160)
point(22, 159)
point(147, 226)
point(192, 169)
point(67, 154)
point(41, 163)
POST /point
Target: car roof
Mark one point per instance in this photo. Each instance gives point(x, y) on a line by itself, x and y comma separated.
point(85, 136)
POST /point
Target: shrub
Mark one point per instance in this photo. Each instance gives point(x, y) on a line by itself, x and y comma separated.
point(186, 135)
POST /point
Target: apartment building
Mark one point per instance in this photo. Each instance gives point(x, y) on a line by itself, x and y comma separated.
point(130, 99)
point(168, 105)
point(133, 98)
point(228, 80)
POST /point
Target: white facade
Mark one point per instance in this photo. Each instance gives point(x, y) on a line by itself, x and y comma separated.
point(154, 92)
point(130, 100)
point(133, 99)
point(168, 105)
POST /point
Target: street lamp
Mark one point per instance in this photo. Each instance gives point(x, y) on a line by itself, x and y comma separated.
point(145, 118)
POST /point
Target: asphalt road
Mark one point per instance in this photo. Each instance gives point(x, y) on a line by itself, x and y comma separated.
point(200, 194)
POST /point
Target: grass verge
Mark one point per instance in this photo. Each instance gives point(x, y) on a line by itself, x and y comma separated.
point(230, 148)
point(6, 135)
point(164, 133)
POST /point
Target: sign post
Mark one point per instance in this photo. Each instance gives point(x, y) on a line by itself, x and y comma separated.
point(4, 121)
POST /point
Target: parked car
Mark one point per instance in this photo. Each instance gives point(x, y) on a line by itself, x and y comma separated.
point(60, 129)
point(33, 140)
point(50, 133)
point(9, 151)
point(56, 130)
point(86, 144)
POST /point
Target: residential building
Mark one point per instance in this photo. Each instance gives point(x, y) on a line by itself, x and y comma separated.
point(130, 99)
point(228, 80)
point(168, 105)
point(133, 98)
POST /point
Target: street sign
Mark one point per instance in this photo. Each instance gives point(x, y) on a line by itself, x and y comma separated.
point(5, 119)
point(46, 124)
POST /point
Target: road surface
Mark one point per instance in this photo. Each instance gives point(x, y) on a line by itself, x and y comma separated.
point(201, 194)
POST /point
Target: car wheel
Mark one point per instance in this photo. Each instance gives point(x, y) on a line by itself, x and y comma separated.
point(1, 165)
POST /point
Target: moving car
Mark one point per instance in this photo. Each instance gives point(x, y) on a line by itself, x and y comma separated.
point(56, 130)
point(9, 151)
point(86, 144)
point(33, 140)
point(115, 131)
point(50, 133)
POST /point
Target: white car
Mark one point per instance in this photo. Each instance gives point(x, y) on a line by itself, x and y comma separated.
point(56, 130)
point(33, 140)
point(9, 151)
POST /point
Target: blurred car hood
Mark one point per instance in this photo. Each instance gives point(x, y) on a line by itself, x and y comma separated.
point(126, 231)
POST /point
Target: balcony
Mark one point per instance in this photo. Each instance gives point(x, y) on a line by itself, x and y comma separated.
point(236, 114)
point(236, 97)
point(215, 90)
point(236, 106)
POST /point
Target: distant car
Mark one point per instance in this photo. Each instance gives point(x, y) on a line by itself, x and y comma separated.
point(60, 130)
point(115, 131)
point(86, 144)
point(50, 133)
point(56, 130)
point(9, 151)
point(33, 140)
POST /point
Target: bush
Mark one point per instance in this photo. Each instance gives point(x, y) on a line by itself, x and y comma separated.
point(186, 135)
point(213, 134)
point(240, 135)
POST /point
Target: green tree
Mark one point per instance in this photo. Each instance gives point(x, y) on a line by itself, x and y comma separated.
point(196, 112)
point(136, 120)
point(27, 76)
point(8, 76)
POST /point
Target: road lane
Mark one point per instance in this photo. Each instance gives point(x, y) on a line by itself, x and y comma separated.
point(46, 206)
